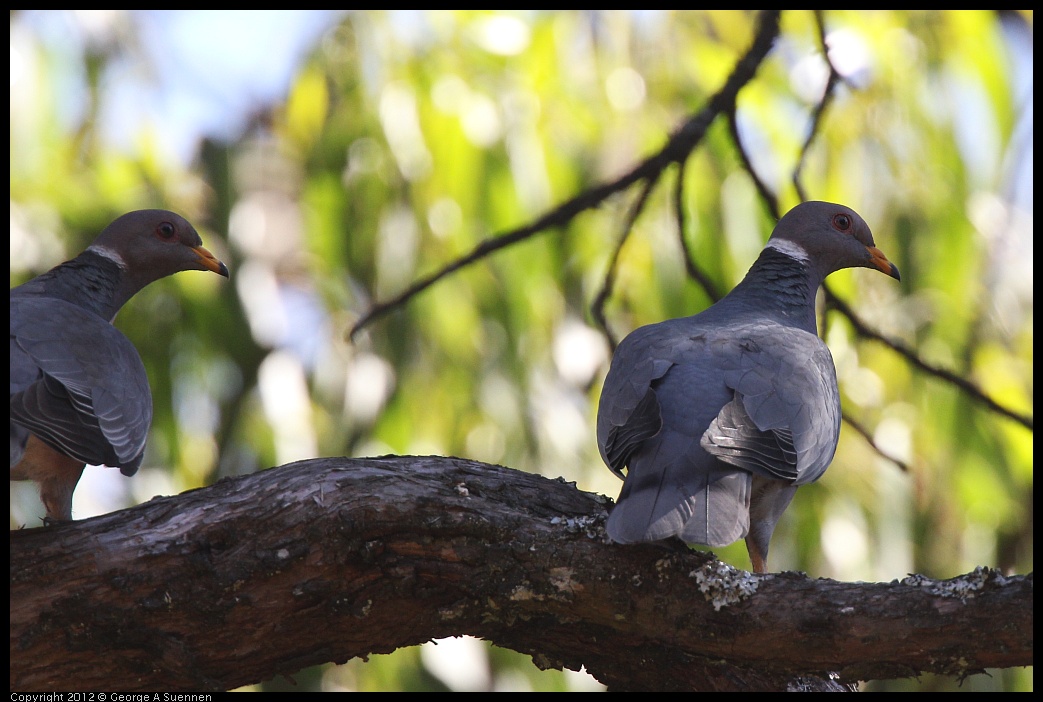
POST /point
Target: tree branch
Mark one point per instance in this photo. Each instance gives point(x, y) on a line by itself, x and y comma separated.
point(972, 391)
point(597, 308)
point(329, 559)
point(820, 109)
point(676, 149)
point(694, 272)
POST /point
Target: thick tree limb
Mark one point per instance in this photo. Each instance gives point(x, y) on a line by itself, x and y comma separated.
point(328, 559)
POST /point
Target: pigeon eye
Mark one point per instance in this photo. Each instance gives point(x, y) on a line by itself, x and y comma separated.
point(166, 231)
point(842, 222)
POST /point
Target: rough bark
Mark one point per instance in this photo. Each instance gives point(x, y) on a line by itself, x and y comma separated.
point(329, 559)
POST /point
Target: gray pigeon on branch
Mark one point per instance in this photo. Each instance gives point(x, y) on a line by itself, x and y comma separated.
point(79, 393)
point(719, 417)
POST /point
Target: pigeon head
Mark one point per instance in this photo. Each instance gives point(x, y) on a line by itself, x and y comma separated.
point(829, 237)
point(151, 244)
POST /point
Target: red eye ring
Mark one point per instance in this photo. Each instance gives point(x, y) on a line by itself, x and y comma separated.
point(842, 222)
point(166, 231)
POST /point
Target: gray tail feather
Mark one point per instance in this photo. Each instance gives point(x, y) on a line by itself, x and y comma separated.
point(691, 495)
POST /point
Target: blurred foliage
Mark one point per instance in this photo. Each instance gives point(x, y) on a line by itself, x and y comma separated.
point(406, 138)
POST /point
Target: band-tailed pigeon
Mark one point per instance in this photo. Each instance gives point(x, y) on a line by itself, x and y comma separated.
point(719, 417)
point(79, 393)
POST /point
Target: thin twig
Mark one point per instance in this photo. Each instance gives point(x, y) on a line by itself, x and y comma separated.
point(970, 388)
point(689, 260)
point(820, 109)
point(597, 308)
point(857, 426)
point(765, 192)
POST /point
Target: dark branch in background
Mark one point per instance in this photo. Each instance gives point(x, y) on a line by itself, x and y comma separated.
point(695, 128)
point(765, 192)
point(676, 150)
point(597, 308)
point(694, 271)
point(909, 354)
point(857, 426)
point(820, 109)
